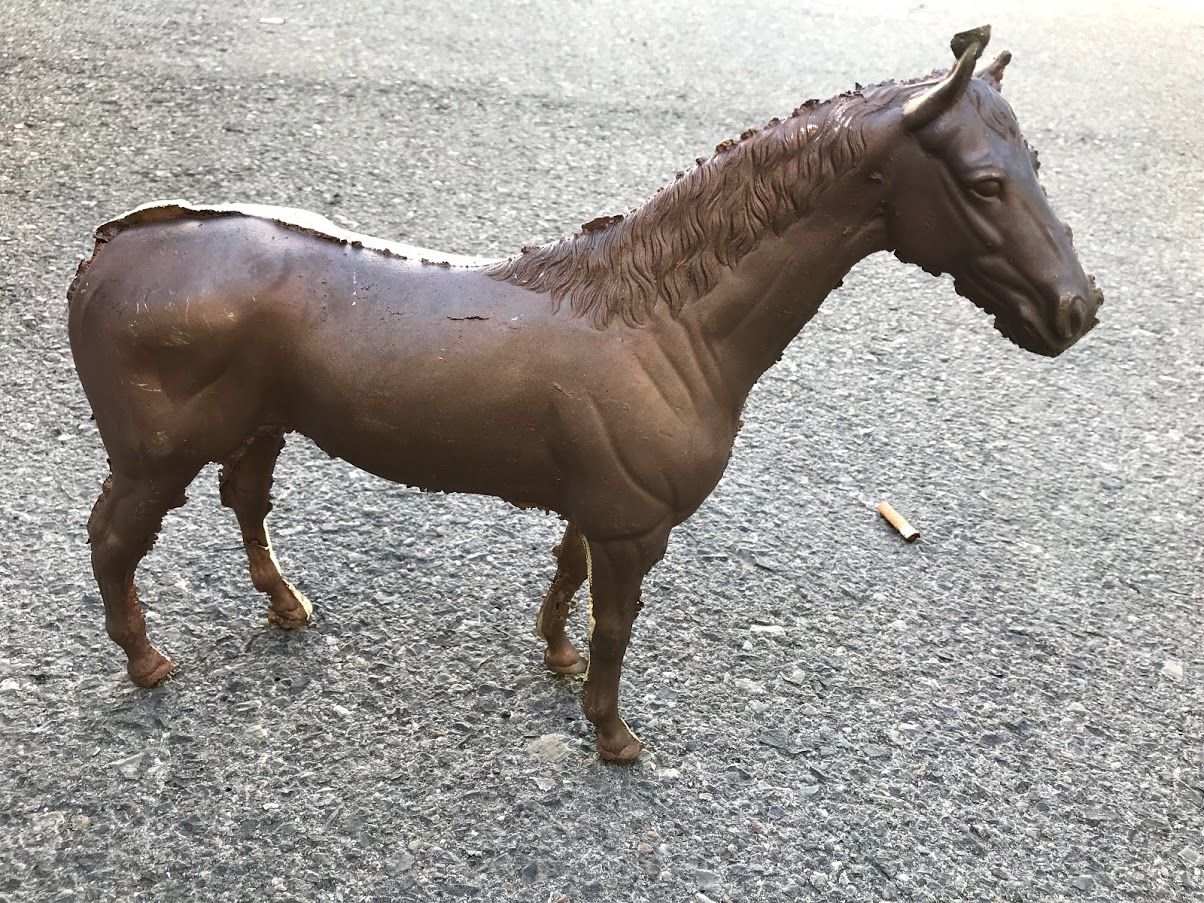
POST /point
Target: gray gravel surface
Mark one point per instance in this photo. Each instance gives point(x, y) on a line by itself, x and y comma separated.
point(1009, 710)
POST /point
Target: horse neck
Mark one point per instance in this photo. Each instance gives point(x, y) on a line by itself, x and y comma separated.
point(745, 322)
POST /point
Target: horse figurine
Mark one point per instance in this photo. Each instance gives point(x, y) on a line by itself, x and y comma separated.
point(600, 377)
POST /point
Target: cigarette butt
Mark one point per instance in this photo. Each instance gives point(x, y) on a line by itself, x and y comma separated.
point(898, 521)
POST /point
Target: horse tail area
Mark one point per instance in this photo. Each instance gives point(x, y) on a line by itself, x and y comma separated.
point(161, 318)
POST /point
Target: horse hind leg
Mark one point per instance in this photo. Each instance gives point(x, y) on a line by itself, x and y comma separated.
point(246, 483)
point(123, 526)
point(561, 655)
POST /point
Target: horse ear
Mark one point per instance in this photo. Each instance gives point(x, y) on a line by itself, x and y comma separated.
point(924, 108)
point(993, 74)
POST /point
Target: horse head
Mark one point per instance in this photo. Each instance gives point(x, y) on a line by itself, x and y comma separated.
point(963, 198)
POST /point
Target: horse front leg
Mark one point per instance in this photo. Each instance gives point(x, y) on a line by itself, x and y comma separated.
point(618, 569)
point(561, 655)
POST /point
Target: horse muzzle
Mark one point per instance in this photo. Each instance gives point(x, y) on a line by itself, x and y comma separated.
point(1076, 312)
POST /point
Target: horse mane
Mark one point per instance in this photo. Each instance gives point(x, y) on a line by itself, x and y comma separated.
point(675, 246)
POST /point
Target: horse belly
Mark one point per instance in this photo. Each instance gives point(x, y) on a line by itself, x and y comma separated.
point(435, 412)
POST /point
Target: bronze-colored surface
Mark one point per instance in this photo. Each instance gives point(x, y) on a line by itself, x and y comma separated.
point(600, 377)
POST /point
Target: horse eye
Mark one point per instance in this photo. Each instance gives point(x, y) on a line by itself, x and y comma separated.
point(987, 188)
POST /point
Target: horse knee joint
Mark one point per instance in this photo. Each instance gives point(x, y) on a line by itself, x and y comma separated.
point(98, 531)
point(607, 641)
point(106, 546)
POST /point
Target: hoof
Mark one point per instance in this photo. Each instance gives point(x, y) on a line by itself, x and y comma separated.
point(566, 661)
point(151, 669)
point(624, 756)
point(290, 620)
point(290, 610)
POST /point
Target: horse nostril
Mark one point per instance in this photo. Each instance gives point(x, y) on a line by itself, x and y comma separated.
point(1072, 315)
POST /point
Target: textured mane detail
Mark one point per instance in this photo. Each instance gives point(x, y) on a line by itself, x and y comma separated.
point(676, 245)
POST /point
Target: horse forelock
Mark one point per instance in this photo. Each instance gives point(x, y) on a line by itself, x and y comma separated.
point(994, 109)
point(999, 117)
point(674, 248)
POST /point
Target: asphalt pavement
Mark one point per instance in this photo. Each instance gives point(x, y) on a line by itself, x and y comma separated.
point(1010, 709)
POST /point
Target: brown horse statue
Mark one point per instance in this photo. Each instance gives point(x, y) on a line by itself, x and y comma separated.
point(600, 377)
